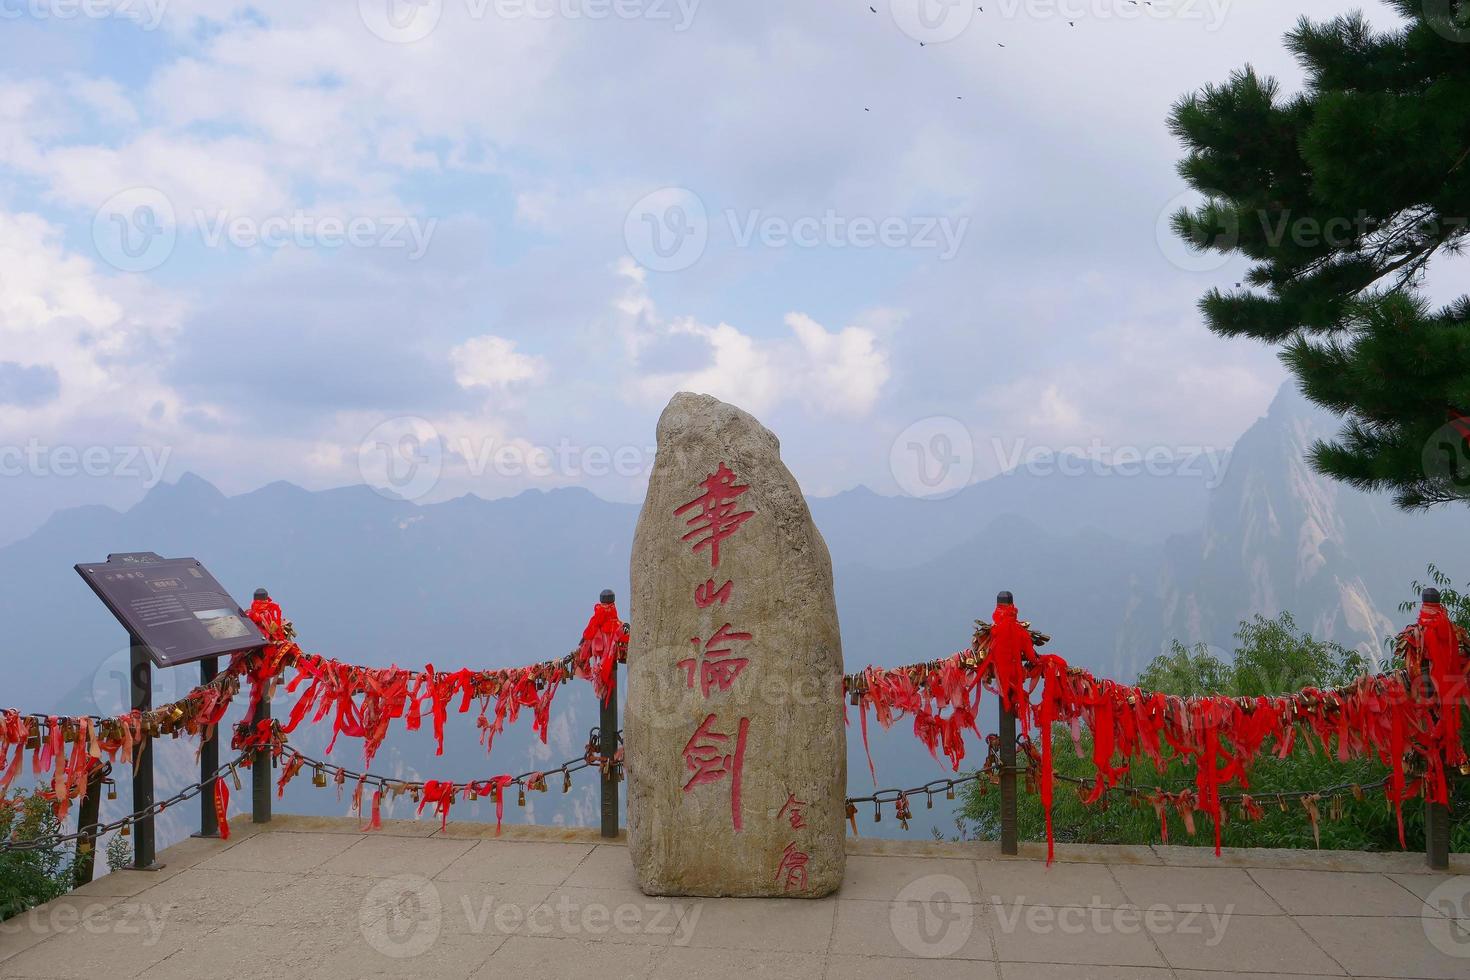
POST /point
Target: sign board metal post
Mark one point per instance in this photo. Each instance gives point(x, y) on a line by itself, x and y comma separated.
point(175, 613)
point(171, 607)
point(141, 672)
point(208, 761)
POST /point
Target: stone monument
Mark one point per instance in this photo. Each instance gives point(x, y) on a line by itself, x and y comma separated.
point(735, 746)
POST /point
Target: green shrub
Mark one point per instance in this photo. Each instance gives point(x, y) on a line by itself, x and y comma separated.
point(1271, 656)
point(31, 877)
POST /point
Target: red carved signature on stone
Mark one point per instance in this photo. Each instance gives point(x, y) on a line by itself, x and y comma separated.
point(714, 664)
point(706, 595)
point(791, 873)
point(706, 755)
point(795, 807)
point(716, 518)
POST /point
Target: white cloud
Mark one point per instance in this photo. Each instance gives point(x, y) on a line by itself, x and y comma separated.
point(829, 373)
point(492, 362)
point(845, 371)
point(57, 311)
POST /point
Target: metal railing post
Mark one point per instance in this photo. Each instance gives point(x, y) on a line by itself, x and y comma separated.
point(260, 766)
point(1008, 835)
point(1436, 815)
point(608, 747)
point(87, 821)
point(208, 761)
point(1007, 731)
point(144, 853)
point(1437, 836)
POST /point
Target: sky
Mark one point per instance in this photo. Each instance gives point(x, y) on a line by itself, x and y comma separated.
point(452, 246)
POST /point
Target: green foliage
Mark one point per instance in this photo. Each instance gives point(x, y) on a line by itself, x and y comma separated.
point(119, 853)
point(30, 878)
point(1272, 656)
point(1340, 196)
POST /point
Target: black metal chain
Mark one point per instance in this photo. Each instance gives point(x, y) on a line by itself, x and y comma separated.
point(588, 760)
point(92, 832)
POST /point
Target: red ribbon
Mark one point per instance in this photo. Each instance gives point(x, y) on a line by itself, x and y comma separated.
point(442, 796)
point(602, 642)
point(222, 807)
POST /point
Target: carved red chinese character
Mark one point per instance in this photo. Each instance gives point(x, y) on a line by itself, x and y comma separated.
point(792, 809)
point(791, 873)
point(706, 595)
point(716, 518)
point(710, 757)
point(714, 664)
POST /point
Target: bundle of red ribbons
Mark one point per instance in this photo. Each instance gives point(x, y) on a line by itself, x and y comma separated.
point(364, 701)
point(66, 748)
point(361, 701)
point(1408, 719)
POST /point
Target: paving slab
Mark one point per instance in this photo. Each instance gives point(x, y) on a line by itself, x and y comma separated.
point(918, 929)
point(486, 907)
point(844, 966)
point(60, 918)
point(1071, 971)
point(279, 851)
point(204, 895)
point(1337, 892)
point(1246, 944)
point(606, 866)
point(1447, 894)
point(694, 963)
point(1098, 936)
point(1194, 888)
point(1033, 883)
point(377, 857)
point(319, 898)
point(786, 925)
point(1412, 946)
point(528, 958)
point(535, 862)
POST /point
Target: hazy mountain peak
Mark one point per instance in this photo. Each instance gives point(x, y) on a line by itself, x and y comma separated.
point(189, 488)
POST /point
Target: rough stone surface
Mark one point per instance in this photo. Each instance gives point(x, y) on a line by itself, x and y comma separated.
point(687, 685)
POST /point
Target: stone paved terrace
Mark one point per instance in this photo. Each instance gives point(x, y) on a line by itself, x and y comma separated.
point(308, 897)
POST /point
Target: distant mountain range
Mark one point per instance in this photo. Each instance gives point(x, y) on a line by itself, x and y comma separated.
point(1114, 566)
